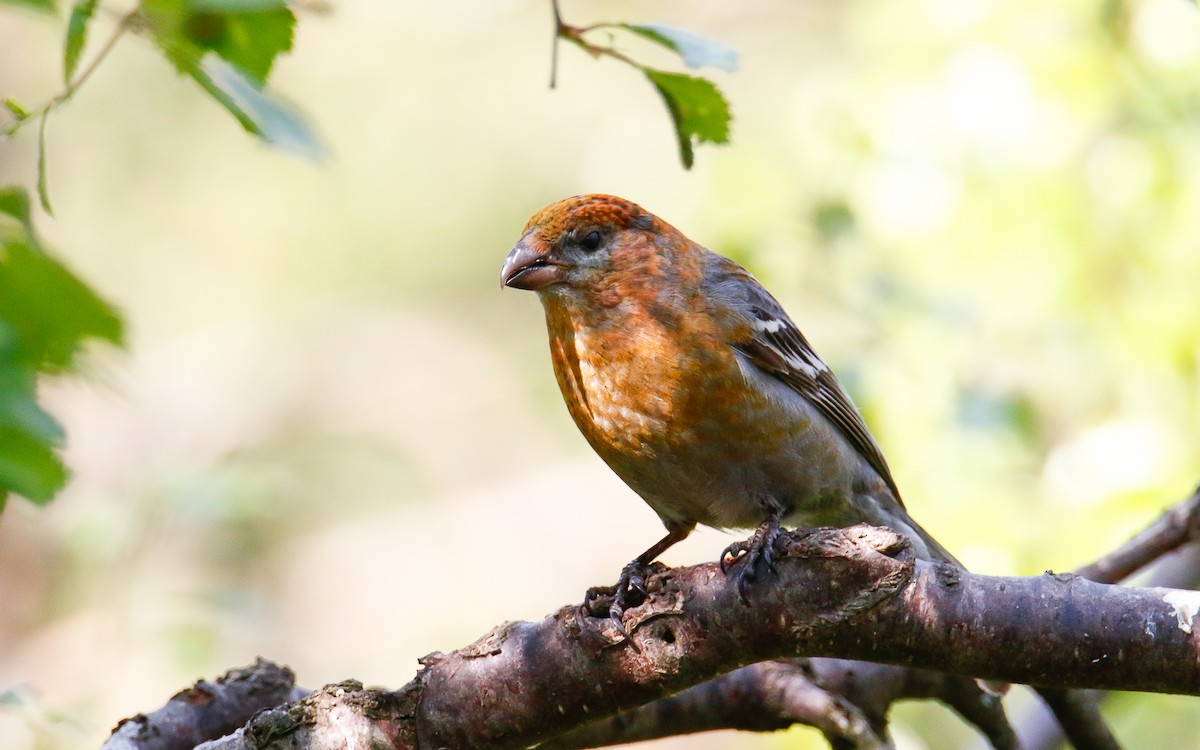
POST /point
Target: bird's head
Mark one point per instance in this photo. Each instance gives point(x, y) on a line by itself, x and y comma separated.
point(581, 242)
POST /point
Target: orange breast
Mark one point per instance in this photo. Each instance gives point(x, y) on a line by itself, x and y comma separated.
point(665, 404)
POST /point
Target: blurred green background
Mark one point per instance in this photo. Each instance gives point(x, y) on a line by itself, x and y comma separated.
point(334, 442)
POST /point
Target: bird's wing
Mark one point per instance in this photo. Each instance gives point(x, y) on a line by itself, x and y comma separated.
point(774, 344)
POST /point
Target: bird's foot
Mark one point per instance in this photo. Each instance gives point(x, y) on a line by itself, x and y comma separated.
point(629, 592)
point(758, 550)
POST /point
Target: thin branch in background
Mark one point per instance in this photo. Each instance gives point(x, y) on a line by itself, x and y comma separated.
point(1176, 566)
point(125, 24)
point(762, 697)
point(42, 112)
point(698, 110)
point(558, 26)
point(847, 701)
point(1174, 528)
point(574, 34)
point(1077, 712)
point(43, 185)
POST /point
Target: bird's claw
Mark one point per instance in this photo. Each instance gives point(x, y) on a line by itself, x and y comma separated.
point(730, 555)
point(629, 592)
point(758, 549)
point(633, 581)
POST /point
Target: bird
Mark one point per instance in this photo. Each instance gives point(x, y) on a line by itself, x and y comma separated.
point(692, 383)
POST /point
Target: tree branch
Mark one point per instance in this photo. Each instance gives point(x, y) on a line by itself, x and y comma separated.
point(854, 593)
point(208, 709)
point(1174, 528)
point(841, 594)
point(761, 697)
point(1175, 569)
point(847, 701)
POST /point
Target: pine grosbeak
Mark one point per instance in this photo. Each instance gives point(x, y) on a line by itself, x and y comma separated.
point(694, 386)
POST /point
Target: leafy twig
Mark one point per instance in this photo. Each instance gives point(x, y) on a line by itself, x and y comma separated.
point(22, 116)
point(42, 112)
point(698, 111)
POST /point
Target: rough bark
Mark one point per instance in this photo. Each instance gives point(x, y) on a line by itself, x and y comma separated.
point(336, 717)
point(858, 691)
point(853, 594)
point(841, 596)
point(208, 709)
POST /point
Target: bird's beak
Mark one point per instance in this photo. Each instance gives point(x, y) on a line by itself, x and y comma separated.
point(526, 267)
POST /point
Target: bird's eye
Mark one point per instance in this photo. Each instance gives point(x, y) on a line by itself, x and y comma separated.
point(591, 240)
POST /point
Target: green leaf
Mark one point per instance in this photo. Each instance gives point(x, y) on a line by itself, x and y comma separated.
point(19, 408)
point(258, 111)
point(81, 14)
point(42, 6)
point(19, 117)
point(249, 34)
point(696, 51)
point(29, 467)
point(229, 48)
point(15, 109)
point(252, 40)
point(51, 310)
point(48, 311)
point(15, 204)
point(46, 316)
point(698, 110)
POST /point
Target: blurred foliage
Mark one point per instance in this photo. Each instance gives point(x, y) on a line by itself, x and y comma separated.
point(227, 46)
point(46, 313)
point(982, 213)
point(41, 6)
point(46, 316)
